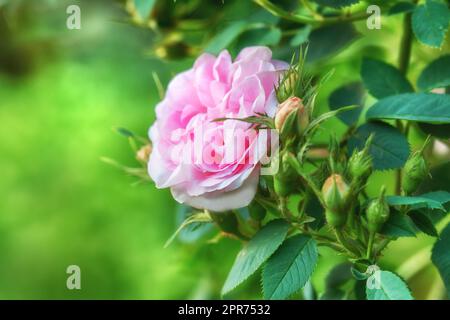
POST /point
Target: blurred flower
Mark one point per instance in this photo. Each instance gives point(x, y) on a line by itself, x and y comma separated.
point(207, 161)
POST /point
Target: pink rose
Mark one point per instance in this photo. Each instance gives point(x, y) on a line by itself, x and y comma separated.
point(209, 164)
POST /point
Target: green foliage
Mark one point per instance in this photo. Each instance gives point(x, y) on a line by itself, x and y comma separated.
point(255, 253)
point(431, 200)
point(399, 225)
point(226, 37)
point(389, 148)
point(423, 222)
point(288, 270)
point(383, 80)
point(144, 7)
point(435, 75)
point(391, 288)
point(348, 95)
point(301, 36)
point(422, 107)
point(430, 22)
point(336, 3)
point(329, 40)
point(441, 256)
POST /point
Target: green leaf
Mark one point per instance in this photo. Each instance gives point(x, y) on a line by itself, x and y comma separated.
point(399, 225)
point(198, 217)
point(422, 107)
point(336, 3)
point(441, 256)
point(194, 230)
point(268, 36)
point(226, 37)
point(401, 7)
point(301, 36)
point(328, 40)
point(430, 22)
point(423, 223)
point(389, 148)
point(382, 79)
point(347, 95)
point(255, 253)
point(338, 276)
point(391, 287)
point(144, 7)
point(435, 75)
point(288, 270)
point(436, 130)
point(420, 201)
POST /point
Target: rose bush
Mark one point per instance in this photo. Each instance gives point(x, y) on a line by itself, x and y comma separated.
point(197, 157)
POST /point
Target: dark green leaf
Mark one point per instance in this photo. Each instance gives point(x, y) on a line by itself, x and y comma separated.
point(422, 107)
point(399, 225)
point(441, 256)
point(401, 7)
point(382, 79)
point(360, 290)
point(125, 132)
point(339, 275)
point(336, 3)
point(423, 223)
point(269, 36)
point(348, 95)
point(333, 294)
point(288, 270)
point(430, 22)
point(226, 37)
point(436, 130)
point(391, 287)
point(435, 75)
point(255, 253)
point(301, 36)
point(389, 148)
point(328, 40)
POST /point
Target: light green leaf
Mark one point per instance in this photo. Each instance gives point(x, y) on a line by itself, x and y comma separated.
point(436, 74)
point(389, 148)
point(441, 256)
point(348, 95)
point(391, 287)
point(301, 36)
point(430, 22)
point(382, 79)
point(336, 3)
point(226, 37)
point(399, 225)
point(422, 107)
point(288, 270)
point(255, 253)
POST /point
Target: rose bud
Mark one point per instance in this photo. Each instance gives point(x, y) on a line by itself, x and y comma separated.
point(335, 192)
point(377, 213)
point(415, 170)
point(143, 153)
point(290, 113)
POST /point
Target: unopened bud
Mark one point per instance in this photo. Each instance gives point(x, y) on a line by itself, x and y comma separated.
point(335, 192)
point(291, 113)
point(415, 170)
point(360, 166)
point(377, 213)
point(143, 154)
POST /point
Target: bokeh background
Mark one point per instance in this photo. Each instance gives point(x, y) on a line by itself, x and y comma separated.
point(62, 93)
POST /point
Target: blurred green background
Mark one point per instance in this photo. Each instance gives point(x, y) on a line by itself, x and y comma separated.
point(61, 94)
